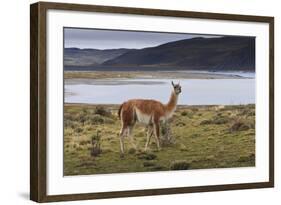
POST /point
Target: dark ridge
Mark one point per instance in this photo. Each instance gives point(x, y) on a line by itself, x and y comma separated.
point(226, 53)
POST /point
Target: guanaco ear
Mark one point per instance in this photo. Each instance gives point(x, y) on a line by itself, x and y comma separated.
point(173, 84)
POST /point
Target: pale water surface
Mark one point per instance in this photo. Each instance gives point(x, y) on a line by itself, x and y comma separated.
point(194, 91)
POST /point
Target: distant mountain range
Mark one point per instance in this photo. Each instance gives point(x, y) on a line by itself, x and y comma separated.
point(90, 57)
point(215, 54)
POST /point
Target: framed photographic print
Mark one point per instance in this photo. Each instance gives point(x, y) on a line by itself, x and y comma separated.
point(134, 102)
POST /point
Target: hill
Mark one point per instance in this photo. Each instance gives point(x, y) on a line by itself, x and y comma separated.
point(226, 53)
point(212, 54)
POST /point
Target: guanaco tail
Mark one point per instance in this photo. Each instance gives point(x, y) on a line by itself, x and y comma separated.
point(147, 112)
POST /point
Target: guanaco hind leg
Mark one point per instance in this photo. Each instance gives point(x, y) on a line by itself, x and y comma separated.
point(130, 136)
point(126, 132)
point(156, 127)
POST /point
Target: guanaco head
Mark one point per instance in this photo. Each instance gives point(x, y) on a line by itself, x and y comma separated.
point(177, 88)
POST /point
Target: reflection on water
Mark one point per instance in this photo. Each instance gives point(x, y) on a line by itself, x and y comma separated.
point(194, 91)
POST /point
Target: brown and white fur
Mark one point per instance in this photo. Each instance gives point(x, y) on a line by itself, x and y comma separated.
point(148, 112)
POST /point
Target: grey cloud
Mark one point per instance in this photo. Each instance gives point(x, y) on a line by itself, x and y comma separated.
point(107, 39)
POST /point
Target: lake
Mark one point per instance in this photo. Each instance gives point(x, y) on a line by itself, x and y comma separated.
point(194, 91)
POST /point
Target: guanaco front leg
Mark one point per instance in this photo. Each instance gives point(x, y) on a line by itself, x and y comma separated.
point(148, 136)
point(121, 138)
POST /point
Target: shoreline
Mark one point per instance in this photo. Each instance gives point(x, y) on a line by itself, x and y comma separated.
point(116, 106)
point(152, 75)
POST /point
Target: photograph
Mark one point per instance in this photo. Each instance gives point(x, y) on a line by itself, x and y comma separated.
point(131, 101)
point(147, 101)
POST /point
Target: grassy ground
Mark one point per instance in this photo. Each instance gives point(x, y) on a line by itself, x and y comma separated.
point(202, 137)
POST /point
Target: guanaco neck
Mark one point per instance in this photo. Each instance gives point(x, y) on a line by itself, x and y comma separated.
point(172, 104)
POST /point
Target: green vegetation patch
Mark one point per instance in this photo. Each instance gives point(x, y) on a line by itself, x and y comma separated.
point(197, 137)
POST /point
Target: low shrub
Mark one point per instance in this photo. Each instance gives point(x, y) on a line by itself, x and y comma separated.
point(195, 135)
point(166, 135)
point(147, 156)
point(68, 123)
point(132, 151)
point(183, 113)
point(100, 110)
point(241, 125)
point(180, 165)
point(182, 147)
point(217, 120)
point(108, 120)
point(96, 148)
point(82, 118)
point(157, 168)
point(78, 130)
point(205, 122)
point(96, 119)
point(247, 158)
point(107, 150)
point(247, 112)
point(73, 125)
point(69, 116)
point(180, 124)
point(84, 142)
point(148, 164)
point(210, 157)
point(194, 109)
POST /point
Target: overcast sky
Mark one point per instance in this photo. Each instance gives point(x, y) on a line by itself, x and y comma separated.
point(108, 39)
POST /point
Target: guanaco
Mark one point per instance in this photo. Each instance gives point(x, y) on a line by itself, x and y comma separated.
point(148, 112)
